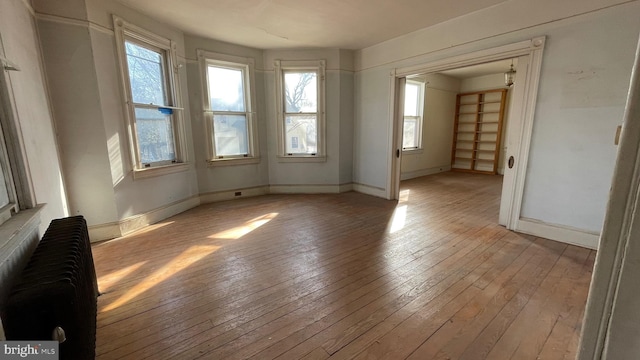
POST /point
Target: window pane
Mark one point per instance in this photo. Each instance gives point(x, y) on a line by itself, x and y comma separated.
point(155, 136)
point(409, 133)
point(146, 74)
point(301, 134)
point(230, 133)
point(411, 96)
point(301, 92)
point(226, 89)
point(4, 192)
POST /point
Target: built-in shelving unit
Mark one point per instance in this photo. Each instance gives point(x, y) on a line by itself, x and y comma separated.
point(477, 131)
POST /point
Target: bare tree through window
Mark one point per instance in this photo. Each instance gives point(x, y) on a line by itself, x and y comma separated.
point(154, 128)
point(301, 106)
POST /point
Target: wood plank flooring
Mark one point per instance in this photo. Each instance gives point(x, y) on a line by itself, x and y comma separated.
point(344, 276)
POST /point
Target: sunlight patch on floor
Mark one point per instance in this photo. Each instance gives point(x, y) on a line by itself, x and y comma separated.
point(105, 282)
point(239, 231)
point(404, 196)
point(143, 230)
point(399, 218)
point(150, 228)
point(180, 262)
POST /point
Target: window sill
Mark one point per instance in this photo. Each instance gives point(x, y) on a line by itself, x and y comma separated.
point(233, 161)
point(301, 159)
point(159, 170)
point(412, 151)
point(17, 229)
point(18, 238)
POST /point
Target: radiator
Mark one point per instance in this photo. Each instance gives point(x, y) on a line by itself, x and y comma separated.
point(55, 296)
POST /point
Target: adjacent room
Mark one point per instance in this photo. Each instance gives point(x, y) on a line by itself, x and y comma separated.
point(322, 180)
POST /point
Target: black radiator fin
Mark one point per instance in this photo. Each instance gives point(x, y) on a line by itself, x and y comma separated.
point(57, 288)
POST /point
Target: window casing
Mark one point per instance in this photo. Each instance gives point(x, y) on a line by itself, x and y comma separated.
point(228, 106)
point(413, 116)
point(150, 82)
point(8, 196)
point(300, 97)
point(16, 189)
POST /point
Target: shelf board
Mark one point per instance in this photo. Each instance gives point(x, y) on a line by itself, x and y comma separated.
point(486, 160)
point(478, 122)
point(481, 102)
point(467, 170)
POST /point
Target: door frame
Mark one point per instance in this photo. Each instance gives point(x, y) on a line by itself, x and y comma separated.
point(522, 107)
point(612, 302)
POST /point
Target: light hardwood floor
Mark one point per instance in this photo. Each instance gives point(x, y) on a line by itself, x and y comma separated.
point(343, 276)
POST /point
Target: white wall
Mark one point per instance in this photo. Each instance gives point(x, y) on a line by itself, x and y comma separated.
point(20, 43)
point(339, 123)
point(81, 59)
point(215, 179)
point(345, 175)
point(81, 135)
point(577, 45)
point(437, 129)
point(372, 151)
point(489, 82)
point(80, 54)
point(584, 77)
point(485, 82)
point(580, 103)
point(327, 176)
point(20, 235)
point(135, 197)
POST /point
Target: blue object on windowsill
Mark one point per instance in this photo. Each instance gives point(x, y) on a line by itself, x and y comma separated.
point(166, 111)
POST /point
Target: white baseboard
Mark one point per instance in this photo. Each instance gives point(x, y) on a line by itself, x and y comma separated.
point(306, 189)
point(104, 231)
point(424, 172)
point(128, 225)
point(560, 233)
point(346, 187)
point(370, 190)
point(136, 222)
point(216, 196)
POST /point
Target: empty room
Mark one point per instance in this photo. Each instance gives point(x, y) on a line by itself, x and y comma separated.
point(279, 179)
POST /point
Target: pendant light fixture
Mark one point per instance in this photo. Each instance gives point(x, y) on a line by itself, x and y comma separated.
point(510, 75)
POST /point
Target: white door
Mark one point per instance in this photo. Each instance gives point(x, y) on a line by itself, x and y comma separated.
point(512, 142)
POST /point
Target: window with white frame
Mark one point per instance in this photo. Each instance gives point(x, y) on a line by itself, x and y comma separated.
point(150, 80)
point(228, 103)
point(412, 125)
point(301, 109)
point(15, 186)
point(8, 194)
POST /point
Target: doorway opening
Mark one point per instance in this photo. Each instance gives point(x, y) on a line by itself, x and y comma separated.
point(439, 77)
point(456, 120)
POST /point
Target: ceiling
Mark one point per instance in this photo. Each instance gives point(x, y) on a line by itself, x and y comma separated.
point(481, 69)
point(280, 24)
